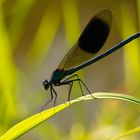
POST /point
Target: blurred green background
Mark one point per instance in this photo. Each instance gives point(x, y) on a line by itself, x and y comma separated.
point(34, 37)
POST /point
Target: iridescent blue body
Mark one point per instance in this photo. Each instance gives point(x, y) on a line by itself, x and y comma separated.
point(57, 76)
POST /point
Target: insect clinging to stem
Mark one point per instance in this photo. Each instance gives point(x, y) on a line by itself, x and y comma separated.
point(83, 53)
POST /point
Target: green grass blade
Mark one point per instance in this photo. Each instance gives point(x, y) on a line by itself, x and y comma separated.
point(126, 134)
point(31, 122)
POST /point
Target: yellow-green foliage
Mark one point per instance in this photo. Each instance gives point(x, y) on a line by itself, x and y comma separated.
point(29, 123)
point(34, 37)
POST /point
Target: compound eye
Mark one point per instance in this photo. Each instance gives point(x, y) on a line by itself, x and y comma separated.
point(46, 84)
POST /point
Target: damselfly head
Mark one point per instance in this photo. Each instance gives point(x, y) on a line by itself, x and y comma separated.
point(46, 84)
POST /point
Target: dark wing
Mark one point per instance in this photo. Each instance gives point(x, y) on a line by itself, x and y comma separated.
point(90, 42)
